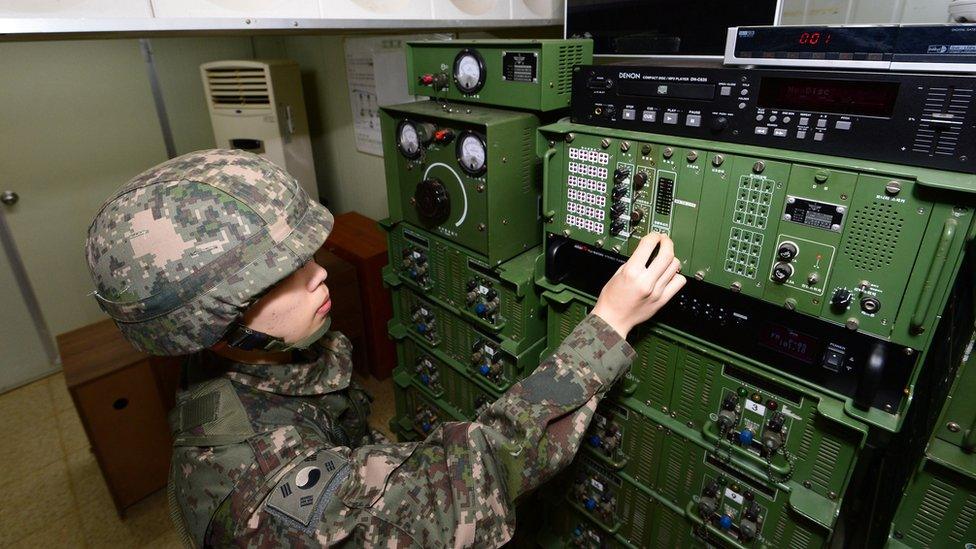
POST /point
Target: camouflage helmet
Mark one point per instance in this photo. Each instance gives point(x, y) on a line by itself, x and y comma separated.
point(180, 251)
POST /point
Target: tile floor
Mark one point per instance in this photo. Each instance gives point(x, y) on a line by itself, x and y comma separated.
point(52, 493)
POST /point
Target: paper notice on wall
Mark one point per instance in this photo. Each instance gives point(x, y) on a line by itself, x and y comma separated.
point(376, 72)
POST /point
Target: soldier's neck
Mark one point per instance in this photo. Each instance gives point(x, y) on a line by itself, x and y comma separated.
point(253, 356)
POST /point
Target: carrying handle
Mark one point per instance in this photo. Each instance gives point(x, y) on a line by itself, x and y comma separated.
point(547, 214)
point(932, 278)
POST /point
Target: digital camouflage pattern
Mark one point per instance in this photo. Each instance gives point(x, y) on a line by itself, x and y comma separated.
point(179, 252)
point(457, 488)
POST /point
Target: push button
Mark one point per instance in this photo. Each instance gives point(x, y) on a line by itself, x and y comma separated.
point(843, 125)
point(801, 134)
point(670, 118)
point(833, 360)
point(649, 116)
point(822, 123)
point(725, 91)
point(818, 137)
point(628, 114)
point(804, 120)
point(693, 120)
point(762, 130)
point(779, 132)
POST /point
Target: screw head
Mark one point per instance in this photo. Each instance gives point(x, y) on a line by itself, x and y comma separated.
point(482, 227)
point(570, 137)
point(624, 146)
point(718, 160)
point(605, 143)
point(893, 188)
point(599, 243)
point(692, 156)
point(668, 152)
point(646, 150)
point(952, 426)
point(736, 287)
point(790, 304)
point(700, 275)
point(807, 484)
point(616, 248)
point(832, 494)
point(759, 166)
point(821, 176)
point(852, 324)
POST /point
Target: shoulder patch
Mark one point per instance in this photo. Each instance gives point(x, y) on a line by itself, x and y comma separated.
point(301, 496)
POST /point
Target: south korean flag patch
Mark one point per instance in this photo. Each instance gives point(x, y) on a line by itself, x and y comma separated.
point(301, 496)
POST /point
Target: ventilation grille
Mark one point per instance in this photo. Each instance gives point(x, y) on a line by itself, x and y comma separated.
point(238, 87)
point(516, 313)
point(690, 386)
point(943, 115)
point(658, 380)
point(569, 56)
point(873, 238)
point(966, 517)
point(826, 463)
point(931, 514)
point(528, 159)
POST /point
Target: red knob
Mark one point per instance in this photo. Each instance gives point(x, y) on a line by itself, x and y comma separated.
point(427, 79)
point(443, 136)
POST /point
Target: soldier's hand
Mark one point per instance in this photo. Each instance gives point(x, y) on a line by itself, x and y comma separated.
point(641, 286)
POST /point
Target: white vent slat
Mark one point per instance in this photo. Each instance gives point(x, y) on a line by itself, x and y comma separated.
point(238, 86)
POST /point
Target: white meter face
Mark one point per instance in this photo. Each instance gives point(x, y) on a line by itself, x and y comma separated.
point(469, 72)
point(471, 154)
point(408, 141)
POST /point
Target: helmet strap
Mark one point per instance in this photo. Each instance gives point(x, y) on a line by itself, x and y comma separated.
point(241, 337)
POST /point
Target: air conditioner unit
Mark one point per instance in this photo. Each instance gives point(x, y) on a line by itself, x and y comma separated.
point(257, 106)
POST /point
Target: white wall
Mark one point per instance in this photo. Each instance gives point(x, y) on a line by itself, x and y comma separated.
point(807, 12)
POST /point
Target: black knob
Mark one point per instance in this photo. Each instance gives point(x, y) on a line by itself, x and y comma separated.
point(620, 174)
point(870, 305)
point(640, 180)
point(432, 201)
point(617, 210)
point(491, 295)
point(712, 489)
point(777, 422)
point(782, 272)
point(841, 299)
point(616, 227)
point(719, 123)
point(752, 511)
point(730, 402)
point(787, 251)
point(636, 216)
point(472, 284)
point(619, 191)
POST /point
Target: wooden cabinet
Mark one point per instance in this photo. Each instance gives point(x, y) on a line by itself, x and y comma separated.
point(359, 240)
point(122, 397)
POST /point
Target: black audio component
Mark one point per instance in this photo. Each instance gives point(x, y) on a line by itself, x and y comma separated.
point(910, 119)
point(872, 371)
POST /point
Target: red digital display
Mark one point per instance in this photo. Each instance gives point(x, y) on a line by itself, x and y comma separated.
point(857, 97)
point(815, 38)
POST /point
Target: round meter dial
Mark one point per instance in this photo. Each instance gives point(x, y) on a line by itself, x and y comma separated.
point(469, 71)
point(472, 153)
point(408, 139)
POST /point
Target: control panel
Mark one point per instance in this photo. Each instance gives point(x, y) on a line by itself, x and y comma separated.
point(911, 119)
point(523, 74)
point(846, 244)
point(465, 173)
point(495, 362)
point(501, 299)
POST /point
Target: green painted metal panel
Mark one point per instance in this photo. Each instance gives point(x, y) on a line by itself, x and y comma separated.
point(495, 213)
point(521, 74)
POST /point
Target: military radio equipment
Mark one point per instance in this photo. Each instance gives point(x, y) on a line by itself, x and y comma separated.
point(822, 220)
point(500, 299)
point(835, 271)
point(495, 361)
point(902, 118)
point(465, 173)
point(522, 74)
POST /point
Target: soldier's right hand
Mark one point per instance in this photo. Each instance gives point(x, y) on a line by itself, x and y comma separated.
point(641, 286)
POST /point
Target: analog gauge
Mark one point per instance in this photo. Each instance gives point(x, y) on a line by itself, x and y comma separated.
point(408, 139)
point(472, 154)
point(469, 71)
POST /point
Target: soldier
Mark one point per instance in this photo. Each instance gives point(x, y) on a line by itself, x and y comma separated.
point(210, 255)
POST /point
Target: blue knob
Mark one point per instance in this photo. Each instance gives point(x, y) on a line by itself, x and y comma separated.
point(413, 273)
point(425, 379)
point(590, 504)
point(426, 426)
point(421, 327)
point(745, 437)
point(480, 308)
point(594, 441)
point(725, 522)
point(484, 369)
point(577, 532)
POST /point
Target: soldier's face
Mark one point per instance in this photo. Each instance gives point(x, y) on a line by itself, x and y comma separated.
point(295, 307)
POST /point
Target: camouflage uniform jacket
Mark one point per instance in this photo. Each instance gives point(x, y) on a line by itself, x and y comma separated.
point(457, 488)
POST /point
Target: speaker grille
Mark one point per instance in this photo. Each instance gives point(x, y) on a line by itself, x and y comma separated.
point(569, 56)
point(875, 229)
